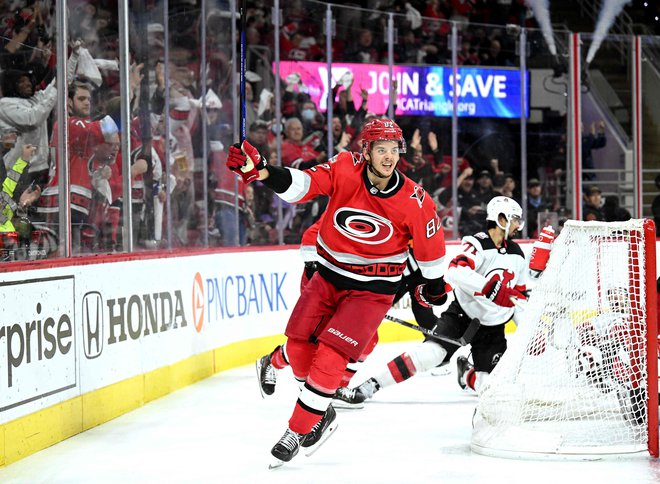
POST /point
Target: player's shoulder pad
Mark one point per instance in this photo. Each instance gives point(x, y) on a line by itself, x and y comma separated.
point(480, 240)
point(346, 160)
point(512, 247)
point(356, 158)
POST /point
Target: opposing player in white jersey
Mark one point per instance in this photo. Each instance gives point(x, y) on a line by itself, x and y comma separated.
point(487, 275)
point(362, 245)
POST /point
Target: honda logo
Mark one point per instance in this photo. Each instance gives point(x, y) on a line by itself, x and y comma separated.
point(92, 318)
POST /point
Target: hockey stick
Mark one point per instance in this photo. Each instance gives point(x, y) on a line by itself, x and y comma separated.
point(471, 330)
point(243, 54)
point(519, 303)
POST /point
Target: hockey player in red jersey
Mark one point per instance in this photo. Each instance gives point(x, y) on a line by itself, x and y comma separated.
point(362, 246)
point(268, 365)
point(487, 275)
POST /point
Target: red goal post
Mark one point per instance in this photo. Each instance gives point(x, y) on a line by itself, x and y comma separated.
point(580, 376)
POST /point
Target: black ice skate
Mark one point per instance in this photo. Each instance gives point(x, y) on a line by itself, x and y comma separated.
point(462, 367)
point(286, 449)
point(266, 376)
point(354, 397)
point(347, 398)
point(320, 432)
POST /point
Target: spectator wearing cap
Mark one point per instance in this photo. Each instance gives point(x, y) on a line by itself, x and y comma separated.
point(536, 203)
point(509, 187)
point(484, 187)
point(258, 136)
point(26, 111)
point(593, 204)
point(214, 122)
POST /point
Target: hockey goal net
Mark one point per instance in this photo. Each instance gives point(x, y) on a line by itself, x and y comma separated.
point(579, 378)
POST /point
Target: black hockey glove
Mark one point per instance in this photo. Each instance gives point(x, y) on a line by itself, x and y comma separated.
point(431, 294)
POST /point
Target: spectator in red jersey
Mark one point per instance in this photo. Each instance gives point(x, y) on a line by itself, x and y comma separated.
point(93, 145)
point(296, 153)
point(374, 211)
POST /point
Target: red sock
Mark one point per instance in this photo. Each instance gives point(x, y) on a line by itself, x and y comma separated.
point(325, 374)
point(278, 359)
point(470, 378)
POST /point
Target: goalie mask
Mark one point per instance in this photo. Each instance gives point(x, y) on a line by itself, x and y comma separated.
point(509, 208)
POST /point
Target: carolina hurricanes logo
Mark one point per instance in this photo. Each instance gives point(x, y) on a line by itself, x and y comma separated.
point(418, 194)
point(362, 226)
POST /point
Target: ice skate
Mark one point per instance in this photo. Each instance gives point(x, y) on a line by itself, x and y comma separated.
point(345, 398)
point(462, 367)
point(286, 449)
point(354, 398)
point(266, 376)
point(320, 432)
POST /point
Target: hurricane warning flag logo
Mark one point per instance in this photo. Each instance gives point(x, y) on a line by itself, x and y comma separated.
point(362, 226)
point(418, 194)
point(198, 302)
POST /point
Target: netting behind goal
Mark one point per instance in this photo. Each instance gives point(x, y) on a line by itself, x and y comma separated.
point(581, 369)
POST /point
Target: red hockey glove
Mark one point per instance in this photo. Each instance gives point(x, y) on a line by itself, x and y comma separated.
point(427, 299)
point(500, 293)
point(246, 161)
point(541, 250)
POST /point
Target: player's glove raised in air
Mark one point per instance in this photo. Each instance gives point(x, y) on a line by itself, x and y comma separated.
point(500, 293)
point(246, 161)
point(432, 294)
point(541, 250)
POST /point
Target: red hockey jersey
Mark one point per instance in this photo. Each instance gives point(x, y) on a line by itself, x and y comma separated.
point(364, 233)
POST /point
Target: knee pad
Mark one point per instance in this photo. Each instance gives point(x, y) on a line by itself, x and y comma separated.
point(427, 355)
point(299, 353)
point(369, 348)
point(327, 368)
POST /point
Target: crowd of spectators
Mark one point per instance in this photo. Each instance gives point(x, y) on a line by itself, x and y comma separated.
point(167, 160)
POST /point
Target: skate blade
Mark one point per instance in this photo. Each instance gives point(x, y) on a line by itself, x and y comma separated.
point(440, 371)
point(326, 435)
point(276, 464)
point(342, 405)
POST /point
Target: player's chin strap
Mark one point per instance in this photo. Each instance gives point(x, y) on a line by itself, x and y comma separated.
point(374, 172)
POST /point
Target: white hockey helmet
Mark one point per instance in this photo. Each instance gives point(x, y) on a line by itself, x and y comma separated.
point(505, 206)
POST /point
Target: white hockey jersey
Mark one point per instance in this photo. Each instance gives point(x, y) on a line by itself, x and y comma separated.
point(477, 262)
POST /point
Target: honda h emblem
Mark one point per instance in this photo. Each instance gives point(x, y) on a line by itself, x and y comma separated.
point(92, 319)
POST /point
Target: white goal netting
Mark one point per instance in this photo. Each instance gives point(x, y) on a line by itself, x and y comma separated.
point(573, 379)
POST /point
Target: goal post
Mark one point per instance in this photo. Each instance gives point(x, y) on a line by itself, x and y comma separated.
point(580, 376)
